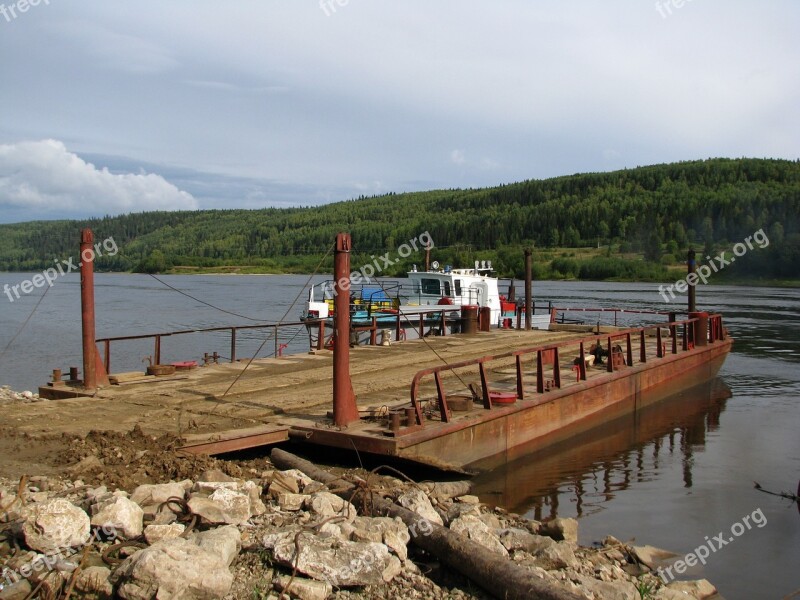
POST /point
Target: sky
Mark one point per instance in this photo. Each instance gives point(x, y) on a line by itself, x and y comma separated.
point(115, 107)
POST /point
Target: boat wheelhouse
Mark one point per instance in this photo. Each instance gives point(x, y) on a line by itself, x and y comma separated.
point(431, 297)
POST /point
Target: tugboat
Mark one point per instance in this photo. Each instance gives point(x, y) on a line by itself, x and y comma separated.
point(426, 296)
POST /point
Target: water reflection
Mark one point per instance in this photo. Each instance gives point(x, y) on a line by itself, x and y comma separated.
point(591, 468)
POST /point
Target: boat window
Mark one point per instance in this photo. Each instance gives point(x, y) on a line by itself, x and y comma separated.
point(431, 286)
point(446, 288)
point(458, 287)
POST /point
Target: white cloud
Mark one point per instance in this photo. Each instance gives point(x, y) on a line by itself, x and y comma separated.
point(45, 178)
point(457, 157)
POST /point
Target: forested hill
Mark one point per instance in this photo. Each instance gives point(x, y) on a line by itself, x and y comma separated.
point(657, 211)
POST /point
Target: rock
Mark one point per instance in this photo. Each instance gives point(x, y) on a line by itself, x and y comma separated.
point(304, 589)
point(224, 542)
point(150, 495)
point(16, 591)
point(468, 499)
point(55, 525)
point(326, 505)
point(336, 562)
point(223, 506)
point(651, 556)
point(520, 539)
point(216, 475)
point(417, 501)
point(392, 532)
point(176, 569)
point(700, 588)
point(292, 481)
point(459, 510)
point(292, 502)
point(609, 590)
point(156, 533)
point(491, 521)
point(49, 582)
point(561, 529)
point(235, 504)
point(476, 530)
point(557, 556)
point(253, 490)
point(93, 583)
point(121, 515)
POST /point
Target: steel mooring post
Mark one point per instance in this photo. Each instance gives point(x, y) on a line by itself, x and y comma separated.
point(87, 309)
point(691, 266)
point(528, 288)
point(345, 410)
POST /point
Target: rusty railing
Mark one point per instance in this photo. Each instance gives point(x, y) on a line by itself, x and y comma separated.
point(549, 354)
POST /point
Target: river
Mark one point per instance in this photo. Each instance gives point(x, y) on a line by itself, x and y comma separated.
point(674, 476)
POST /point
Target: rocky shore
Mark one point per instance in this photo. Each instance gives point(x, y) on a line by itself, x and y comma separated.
point(7, 396)
point(126, 519)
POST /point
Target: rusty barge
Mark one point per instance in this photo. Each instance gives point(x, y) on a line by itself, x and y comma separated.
point(488, 396)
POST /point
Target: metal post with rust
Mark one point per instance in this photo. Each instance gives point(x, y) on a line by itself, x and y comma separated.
point(87, 309)
point(691, 265)
point(345, 410)
point(528, 288)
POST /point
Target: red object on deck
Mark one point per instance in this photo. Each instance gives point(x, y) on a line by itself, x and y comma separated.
point(503, 397)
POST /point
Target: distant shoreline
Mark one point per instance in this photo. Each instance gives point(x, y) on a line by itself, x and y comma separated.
point(776, 283)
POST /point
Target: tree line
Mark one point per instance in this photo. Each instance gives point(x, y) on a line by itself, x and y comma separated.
point(644, 220)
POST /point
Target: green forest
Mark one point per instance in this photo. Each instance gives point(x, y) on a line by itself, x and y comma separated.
point(633, 224)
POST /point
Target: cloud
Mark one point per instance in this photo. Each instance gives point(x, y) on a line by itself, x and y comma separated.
point(457, 157)
point(44, 178)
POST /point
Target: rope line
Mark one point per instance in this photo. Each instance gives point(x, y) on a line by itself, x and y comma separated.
point(30, 316)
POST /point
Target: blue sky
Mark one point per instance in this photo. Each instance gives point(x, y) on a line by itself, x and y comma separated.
point(114, 107)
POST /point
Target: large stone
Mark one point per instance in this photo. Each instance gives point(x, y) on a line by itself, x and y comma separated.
point(557, 556)
point(417, 501)
point(155, 494)
point(292, 481)
point(561, 529)
point(224, 542)
point(16, 591)
point(327, 505)
point(93, 583)
point(155, 533)
point(303, 589)
point(700, 588)
point(651, 556)
point(121, 515)
point(610, 590)
point(473, 528)
point(176, 569)
point(392, 532)
point(55, 525)
point(292, 502)
point(235, 504)
point(521, 539)
point(223, 506)
point(339, 563)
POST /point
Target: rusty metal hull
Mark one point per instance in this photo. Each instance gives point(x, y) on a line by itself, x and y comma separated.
point(567, 412)
point(508, 432)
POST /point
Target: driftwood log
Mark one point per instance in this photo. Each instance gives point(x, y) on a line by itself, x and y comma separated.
point(497, 575)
